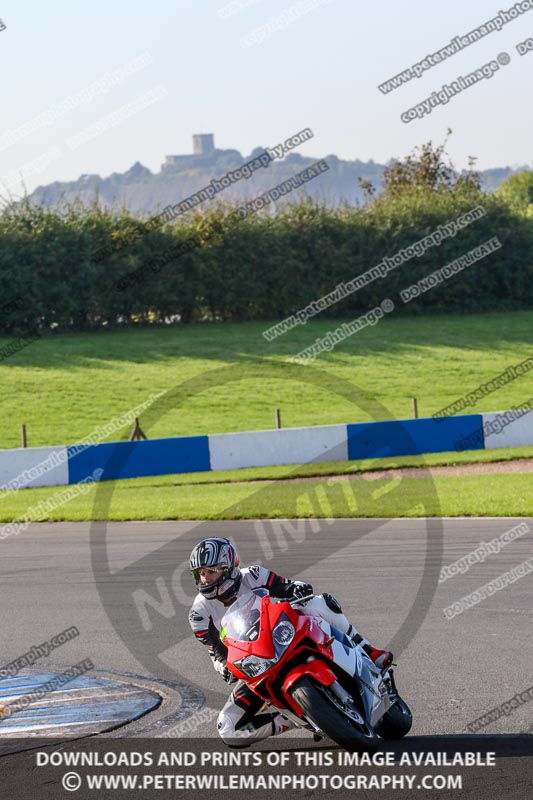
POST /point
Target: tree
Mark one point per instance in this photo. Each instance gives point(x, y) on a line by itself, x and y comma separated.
point(517, 191)
point(423, 171)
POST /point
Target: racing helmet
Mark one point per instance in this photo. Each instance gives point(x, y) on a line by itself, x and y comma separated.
point(217, 553)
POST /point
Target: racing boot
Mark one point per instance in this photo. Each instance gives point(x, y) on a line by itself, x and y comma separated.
point(281, 724)
point(381, 658)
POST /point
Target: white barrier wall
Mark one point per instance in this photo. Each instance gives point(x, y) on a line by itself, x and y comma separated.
point(33, 466)
point(50, 466)
point(277, 447)
point(501, 430)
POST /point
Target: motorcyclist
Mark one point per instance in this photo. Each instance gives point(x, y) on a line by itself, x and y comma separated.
point(214, 564)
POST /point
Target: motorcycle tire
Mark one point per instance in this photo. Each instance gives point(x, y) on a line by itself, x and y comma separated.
point(397, 721)
point(323, 711)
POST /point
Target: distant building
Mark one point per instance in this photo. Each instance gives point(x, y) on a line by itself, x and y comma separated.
point(203, 145)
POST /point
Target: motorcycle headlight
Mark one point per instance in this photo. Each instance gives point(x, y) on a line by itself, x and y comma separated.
point(283, 633)
point(253, 666)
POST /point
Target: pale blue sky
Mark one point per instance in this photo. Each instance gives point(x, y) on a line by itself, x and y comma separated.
point(320, 72)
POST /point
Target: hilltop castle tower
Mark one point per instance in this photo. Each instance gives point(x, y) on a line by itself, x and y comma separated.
point(203, 145)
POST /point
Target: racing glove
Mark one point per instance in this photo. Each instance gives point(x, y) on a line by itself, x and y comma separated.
point(222, 669)
point(300, 589)
point(228, 676)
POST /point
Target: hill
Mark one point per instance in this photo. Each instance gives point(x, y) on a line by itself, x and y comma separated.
point(144, 192)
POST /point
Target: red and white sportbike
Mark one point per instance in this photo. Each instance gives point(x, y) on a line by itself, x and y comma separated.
point(314, 674)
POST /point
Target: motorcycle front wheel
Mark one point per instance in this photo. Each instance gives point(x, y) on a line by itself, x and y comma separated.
point(396, 722)
point(321, 706)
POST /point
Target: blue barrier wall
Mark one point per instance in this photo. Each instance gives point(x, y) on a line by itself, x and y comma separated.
point(409, 437)
point(138, 459)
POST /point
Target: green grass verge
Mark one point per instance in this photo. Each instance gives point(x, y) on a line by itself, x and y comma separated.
point(476, 495)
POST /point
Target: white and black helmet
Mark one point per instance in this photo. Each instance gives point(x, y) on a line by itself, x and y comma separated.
point(216, 553)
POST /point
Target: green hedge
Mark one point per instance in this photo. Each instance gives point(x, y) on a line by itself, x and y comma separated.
point(218, 265)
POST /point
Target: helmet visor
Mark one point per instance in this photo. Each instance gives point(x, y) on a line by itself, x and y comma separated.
point(212, 574)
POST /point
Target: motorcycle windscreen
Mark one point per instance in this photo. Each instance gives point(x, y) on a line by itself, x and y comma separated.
point(247, 621)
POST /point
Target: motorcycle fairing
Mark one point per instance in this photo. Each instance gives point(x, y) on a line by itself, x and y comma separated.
point(248, 629)
point(356, 663)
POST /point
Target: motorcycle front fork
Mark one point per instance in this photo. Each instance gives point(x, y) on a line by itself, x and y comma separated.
point(390, 683)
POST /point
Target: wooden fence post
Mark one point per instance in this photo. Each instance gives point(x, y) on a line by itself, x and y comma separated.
point(137, 432)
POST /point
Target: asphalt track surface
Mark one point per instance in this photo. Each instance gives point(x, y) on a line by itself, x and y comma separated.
point(450, 671)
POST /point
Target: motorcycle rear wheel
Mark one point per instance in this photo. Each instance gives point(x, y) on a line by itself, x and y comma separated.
point(322, 708)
